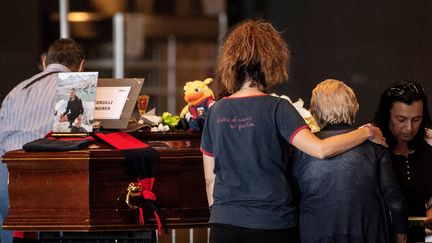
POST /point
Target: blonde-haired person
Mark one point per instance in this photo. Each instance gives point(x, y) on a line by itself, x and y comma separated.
point(346, 198)
point(246, 136)
point(333, 102)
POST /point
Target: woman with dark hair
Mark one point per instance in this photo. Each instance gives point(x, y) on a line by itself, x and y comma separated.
point(403, 117)
point(246, 137)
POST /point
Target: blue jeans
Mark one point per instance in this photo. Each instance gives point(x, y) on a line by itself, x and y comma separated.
point(6, 236)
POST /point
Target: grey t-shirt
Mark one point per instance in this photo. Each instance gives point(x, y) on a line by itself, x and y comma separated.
point(249, 138)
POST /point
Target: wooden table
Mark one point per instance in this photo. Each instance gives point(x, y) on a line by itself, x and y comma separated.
point(84, 190)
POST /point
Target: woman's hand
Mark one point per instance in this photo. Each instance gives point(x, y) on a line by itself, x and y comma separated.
point(428, 221)
point(376, 135)
point(401, 238)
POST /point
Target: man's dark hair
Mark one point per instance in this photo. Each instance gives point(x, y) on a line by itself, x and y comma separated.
point(406, 92)
point(66, 52)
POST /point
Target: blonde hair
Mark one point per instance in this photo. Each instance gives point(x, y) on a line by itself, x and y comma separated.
point(256, 50)
point(333, 102)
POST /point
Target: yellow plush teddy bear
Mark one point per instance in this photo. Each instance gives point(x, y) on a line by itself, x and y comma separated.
point(199, 98)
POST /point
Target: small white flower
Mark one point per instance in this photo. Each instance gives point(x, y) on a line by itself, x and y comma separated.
point(307, 116)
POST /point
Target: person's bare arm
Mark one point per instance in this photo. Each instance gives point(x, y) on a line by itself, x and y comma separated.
point(209, 175)
point(401, 238)
point(428, 221)
point(307, 142)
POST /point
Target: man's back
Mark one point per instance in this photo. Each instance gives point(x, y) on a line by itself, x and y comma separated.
point(27, 113)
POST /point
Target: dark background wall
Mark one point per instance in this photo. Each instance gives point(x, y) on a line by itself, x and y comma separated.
point(367, 44)
point(20, 42)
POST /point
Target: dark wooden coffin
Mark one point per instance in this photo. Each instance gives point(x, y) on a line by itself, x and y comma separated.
point(84, 190)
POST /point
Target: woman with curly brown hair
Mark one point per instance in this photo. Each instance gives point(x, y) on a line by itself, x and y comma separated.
point(246, 137)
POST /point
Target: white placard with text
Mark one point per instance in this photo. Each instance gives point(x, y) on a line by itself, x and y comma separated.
point(110, 102)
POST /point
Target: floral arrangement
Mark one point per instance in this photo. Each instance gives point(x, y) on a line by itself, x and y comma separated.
point(307, 116)
point(164, 123)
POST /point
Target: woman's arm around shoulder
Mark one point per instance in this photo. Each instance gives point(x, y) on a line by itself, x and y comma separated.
point(307, 142)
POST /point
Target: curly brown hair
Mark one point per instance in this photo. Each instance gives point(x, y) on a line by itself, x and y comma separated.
point(256, 50)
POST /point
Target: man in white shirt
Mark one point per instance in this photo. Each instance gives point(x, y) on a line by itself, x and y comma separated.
point(27, 112)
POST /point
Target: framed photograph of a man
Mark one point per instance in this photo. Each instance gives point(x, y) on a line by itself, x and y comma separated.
point(75, 98)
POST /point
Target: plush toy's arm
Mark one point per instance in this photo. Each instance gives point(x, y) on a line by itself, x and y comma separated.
point(184, 111)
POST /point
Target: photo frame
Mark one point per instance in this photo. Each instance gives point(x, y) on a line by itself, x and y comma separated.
point(74, 102)
point(115, 102)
